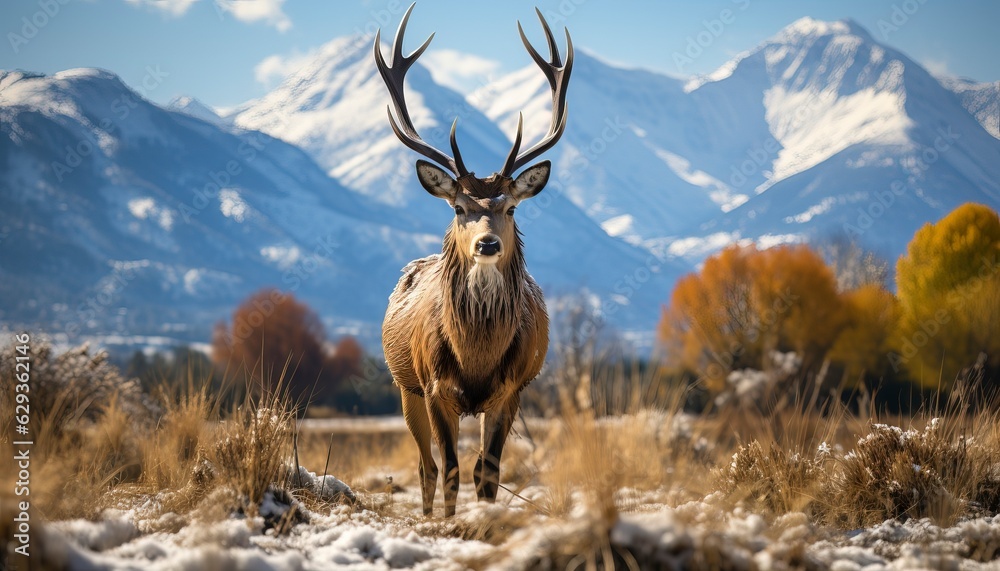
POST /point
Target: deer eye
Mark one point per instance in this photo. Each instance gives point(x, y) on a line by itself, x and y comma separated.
point(510, 211)
point(459, 211)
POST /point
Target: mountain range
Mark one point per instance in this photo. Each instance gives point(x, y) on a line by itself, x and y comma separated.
point(123, 220)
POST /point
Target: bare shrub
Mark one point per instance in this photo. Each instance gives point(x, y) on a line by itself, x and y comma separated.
point(75, 386)
point(896, 473)
point(254, 445)
point(773, 479)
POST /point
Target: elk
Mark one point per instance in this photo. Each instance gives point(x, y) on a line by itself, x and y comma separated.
point(466, 329)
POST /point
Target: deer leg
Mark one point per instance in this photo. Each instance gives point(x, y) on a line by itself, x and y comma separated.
point(444, 426)
point(494, 428)
point(415, 413)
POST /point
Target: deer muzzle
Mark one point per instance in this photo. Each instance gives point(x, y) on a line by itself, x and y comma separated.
point(488, 249)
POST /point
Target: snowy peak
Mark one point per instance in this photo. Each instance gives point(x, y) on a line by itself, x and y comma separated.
point(334, 107)
point(96, 98)
point(191, 106)
point(815, 55)
point(827, 86)
point(807, 28)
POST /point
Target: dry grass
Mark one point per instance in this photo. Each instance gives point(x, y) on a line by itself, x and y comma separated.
point(582, 471)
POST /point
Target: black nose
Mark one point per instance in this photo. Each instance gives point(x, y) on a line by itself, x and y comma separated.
point(488, 247)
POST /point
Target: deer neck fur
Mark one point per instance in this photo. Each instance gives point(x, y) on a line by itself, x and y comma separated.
point(481, 309)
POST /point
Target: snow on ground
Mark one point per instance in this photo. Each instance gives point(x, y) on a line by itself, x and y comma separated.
point(692, 535)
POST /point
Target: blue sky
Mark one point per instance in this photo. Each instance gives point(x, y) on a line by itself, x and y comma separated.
point(227, 51)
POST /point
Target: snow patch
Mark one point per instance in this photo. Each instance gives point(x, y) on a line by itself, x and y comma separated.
point(771, 240)
point(147, 208)
point(232, 204)
point(282, 256)
point(812, 212)
point(724, 71)
point(718, 191)
point(699, 246)
point(813, 126)
point(618, 225)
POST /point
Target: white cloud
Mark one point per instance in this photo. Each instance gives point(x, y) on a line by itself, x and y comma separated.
point(268, 11)
point(460, 71)
point(172, 7)
point(272, 70)
point(249, 11)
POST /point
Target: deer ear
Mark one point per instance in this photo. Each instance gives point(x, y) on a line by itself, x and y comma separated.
point(436, 181)
point(532, 181)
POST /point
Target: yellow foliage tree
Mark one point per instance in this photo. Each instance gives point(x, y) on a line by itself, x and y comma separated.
point(949, 285)
point(868, 338)
point(746, 303)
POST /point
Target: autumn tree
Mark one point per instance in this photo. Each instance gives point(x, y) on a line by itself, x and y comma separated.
point(869, 334)
point(746, 303)
point(949, 292)
point(275, 339)
point(712, 325)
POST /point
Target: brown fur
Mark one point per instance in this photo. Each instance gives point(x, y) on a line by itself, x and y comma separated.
point(453, 350)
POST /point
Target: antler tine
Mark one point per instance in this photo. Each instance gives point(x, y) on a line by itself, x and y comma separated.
point(553, 48)
point(459, 164)
point(558, 75)
point(393, 75)
point(508, 165)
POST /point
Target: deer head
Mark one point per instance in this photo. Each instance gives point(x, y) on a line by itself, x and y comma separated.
point(483, 229)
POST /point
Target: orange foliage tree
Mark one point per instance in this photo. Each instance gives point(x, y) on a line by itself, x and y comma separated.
point(275, 339)
point(949, 293)
point(746, 303)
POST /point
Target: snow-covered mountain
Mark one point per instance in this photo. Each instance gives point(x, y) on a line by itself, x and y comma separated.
point(118, 216)
point(121, 217)
point(820, 129)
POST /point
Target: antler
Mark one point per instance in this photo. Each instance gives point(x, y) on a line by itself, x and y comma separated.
point(393, 75)
point(558, 76)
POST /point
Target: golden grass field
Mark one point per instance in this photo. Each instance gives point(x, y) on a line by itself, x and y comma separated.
point(789, 485)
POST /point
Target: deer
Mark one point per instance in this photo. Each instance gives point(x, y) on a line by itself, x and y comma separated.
point(466, 329)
